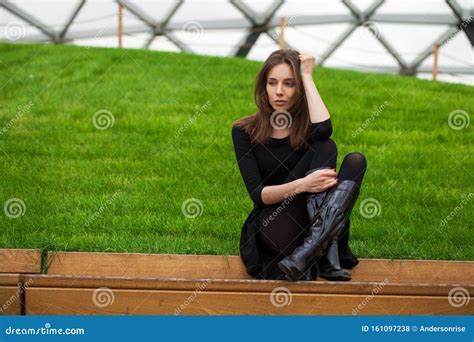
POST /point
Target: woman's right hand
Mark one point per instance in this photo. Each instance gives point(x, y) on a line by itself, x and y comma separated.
point(320, 180)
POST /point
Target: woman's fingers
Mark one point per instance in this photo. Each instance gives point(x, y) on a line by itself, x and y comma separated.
point(322, 184)
point(329, 184)
point(331, 181)
point(328, 173)
point(322, 180)
point(325, 173)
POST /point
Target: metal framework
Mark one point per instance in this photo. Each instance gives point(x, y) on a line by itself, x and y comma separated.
point(265, 23)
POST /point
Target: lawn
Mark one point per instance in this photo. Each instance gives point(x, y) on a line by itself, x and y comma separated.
point(131, 151)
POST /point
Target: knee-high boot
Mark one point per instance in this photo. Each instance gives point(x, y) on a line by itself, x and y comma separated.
point(347, 258)
point(328, 267)
point(326, 226)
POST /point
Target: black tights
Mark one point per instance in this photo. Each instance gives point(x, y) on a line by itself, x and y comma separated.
point(283, 226)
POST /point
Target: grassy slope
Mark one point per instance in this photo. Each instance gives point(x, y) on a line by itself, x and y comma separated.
point(64, 169)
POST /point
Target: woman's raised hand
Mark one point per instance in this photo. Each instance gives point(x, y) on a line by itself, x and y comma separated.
point(307, 63)
point(320, 180)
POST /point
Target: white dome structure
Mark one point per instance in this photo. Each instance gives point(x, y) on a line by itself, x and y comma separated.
point(371, 35)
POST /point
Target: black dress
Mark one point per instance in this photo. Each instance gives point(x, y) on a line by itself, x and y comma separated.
point(262, 165)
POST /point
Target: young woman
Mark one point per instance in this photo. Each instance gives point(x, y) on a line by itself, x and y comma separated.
point(299, 226)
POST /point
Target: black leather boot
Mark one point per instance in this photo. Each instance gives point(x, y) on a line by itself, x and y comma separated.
point(346, 257)
point(314, 202)
point(330, 267)
point(327, 225)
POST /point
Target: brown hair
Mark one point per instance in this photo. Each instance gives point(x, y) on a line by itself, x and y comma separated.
point(259, 125)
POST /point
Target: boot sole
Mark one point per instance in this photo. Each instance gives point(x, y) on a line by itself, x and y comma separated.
point(334, 278)
point(289, 272)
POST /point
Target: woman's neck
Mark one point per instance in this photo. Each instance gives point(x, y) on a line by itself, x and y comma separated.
point(280, 134)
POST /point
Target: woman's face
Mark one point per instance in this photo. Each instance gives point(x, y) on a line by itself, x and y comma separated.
point(281, 87)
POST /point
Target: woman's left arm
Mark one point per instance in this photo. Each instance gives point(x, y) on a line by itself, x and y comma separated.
point(317, 110)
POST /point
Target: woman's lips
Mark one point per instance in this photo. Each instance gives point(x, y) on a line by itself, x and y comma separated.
point(280, 103)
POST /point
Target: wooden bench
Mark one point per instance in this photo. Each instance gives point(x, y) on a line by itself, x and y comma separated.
point(146, 284)
point(14, 263)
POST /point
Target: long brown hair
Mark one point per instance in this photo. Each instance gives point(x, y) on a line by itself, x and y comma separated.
point(259, 125)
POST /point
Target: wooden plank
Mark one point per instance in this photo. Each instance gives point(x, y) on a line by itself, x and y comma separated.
point(9, 294)
point(20, 261)
point(231, 267)
point(9, 279)
point(64, 301)
point(9, 300)
point(241, 285)
point(143, 265)
point(408, 271)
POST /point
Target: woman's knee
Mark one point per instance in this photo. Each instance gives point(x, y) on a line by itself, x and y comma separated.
point(355, 160)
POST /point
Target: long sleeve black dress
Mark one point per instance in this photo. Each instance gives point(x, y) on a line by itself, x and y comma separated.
point(273, 164)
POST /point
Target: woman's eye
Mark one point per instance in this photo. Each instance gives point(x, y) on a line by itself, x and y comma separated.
point(288, 84)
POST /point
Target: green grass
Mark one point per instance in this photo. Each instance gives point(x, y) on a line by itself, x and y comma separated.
point(136, 174)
